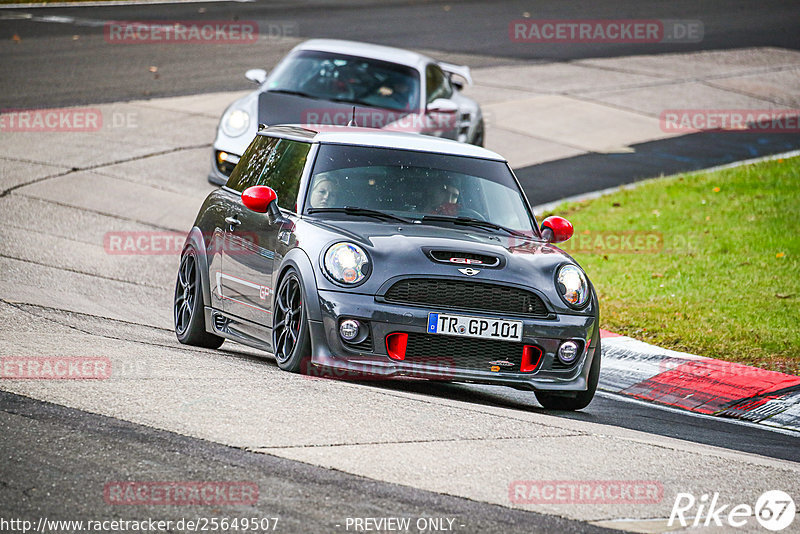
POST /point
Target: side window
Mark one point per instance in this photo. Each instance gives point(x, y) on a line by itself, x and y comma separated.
point(251, 165)
point(437, 84)
point(283, 169)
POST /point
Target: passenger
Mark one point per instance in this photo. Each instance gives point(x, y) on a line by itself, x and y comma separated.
point(323, 193)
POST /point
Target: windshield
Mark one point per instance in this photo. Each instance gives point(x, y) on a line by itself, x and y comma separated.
point(414, 185)
point(341, 78)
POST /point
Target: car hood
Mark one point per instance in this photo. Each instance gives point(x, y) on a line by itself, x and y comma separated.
point(278, 108)
point(400, 250)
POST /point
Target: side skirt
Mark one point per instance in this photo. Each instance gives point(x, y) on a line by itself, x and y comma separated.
point(237, 329)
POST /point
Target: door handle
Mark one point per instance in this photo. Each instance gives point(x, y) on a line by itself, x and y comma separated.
point(233, 221)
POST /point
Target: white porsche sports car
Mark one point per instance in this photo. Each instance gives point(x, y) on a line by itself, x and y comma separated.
point(325, 81)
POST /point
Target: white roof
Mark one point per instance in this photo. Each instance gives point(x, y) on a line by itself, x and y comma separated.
point(350, 135)
point(372, 51)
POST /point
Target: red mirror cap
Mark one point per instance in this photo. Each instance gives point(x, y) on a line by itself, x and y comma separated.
point(561, 228)
point(258, 198)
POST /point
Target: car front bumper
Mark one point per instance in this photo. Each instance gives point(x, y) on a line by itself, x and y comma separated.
point(332, 358)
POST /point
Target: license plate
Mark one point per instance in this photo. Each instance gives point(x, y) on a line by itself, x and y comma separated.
point(480, 327)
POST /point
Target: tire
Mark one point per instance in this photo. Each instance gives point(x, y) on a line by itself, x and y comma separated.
point(187, 310)
point(554, 401)
point(291, 339)
point(479, 138)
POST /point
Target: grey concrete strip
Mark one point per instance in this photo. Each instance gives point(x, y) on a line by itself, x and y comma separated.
point(176, 172)
point(576, 123)
point(34, 283)
point(683, 95)
point(112, 196)
point(780, 87)
point(559, 78)
point(16, 172)
point(700, 65)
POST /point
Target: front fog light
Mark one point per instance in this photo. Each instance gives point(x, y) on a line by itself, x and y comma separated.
point(349, 329)
point(568, 351)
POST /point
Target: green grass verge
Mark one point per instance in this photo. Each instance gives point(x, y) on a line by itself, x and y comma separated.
point(717, 271)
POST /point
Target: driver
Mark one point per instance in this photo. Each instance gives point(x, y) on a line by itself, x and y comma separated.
point(444, 198)
point(323, 193)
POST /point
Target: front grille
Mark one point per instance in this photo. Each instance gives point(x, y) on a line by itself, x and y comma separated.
point(558, 365)
point(472, 296)
point(462, 353)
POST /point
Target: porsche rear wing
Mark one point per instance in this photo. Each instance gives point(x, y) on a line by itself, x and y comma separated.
point(458, 70)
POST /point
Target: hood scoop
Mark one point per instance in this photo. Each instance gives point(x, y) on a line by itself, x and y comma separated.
point(463, 257)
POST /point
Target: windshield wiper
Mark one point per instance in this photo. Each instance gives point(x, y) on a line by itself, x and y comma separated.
point(296, 93)
point(469, 221)
point(352, 210)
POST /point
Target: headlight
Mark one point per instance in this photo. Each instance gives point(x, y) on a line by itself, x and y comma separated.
point(235, 123)
point(347, 263)
point(572, 285)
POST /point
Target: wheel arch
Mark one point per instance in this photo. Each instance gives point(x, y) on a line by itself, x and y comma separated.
point(196, 240)
point(300, 262)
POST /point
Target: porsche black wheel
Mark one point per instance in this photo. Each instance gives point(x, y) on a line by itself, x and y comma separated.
point(291, 340)
point(190, 327)
point(553, 401)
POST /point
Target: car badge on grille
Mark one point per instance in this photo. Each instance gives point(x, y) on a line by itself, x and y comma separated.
point(469, 271)
point(504, 363)
point(467, 261)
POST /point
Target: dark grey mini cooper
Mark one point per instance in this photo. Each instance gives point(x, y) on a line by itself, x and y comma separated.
point(359, 253)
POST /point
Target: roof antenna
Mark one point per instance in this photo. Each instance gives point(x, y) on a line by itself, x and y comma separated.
point(353, 120)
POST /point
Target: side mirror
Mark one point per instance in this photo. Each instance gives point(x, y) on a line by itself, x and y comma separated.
point(262, 199)
point(256, 75)
point(556, 229)
point(442, 105)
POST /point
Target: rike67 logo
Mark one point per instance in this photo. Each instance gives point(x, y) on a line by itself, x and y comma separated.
point(774, 510)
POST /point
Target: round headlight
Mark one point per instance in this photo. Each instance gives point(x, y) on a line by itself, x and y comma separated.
point(572, 285)
point(347, 263)
point(235, 123)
